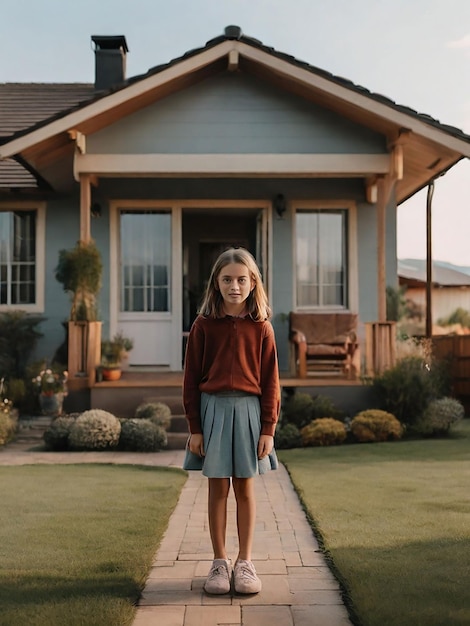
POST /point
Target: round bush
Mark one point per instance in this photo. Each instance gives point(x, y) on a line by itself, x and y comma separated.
point(439, 416)
point(375, 425)
point(288, 436)
point(141, 435)
point(56, 437)
point(158, 412)
point(298, 409)
point(95, 430)
point(325, 431)
point(406, 389)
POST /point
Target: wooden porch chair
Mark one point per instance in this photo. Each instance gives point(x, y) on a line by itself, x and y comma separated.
point(324, 343)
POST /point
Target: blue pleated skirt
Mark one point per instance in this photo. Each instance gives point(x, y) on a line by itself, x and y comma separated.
point(231, 427)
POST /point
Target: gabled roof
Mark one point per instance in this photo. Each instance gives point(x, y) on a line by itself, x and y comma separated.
point(413, 271)
point(430, 147)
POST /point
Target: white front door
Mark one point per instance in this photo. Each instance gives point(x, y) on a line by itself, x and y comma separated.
point(146, 284)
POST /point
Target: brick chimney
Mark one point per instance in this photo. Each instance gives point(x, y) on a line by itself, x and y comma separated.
point(110, 60)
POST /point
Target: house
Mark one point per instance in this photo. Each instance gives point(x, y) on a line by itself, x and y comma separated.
point(450, 287)
point(234, 143)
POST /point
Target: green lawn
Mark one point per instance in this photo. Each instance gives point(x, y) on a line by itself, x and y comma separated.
point(395, 519)
point(77, 541)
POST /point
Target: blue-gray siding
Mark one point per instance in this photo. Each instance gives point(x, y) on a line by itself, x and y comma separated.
point(234, 114)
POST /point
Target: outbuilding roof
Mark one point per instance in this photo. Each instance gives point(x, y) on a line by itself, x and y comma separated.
point(413, 272)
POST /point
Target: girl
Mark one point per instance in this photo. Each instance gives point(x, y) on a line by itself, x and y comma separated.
point(231, 397)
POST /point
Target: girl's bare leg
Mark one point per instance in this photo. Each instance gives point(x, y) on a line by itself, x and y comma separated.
point(218, 494)
point(246, 515)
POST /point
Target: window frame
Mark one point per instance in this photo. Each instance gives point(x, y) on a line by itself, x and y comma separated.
point(40, 208)
point(350, 208)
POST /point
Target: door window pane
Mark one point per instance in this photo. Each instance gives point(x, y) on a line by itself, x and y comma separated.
point(18, 257)
point(321, 258)
point(145, 261)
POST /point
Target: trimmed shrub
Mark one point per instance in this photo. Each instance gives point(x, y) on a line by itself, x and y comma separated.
point(287, 436)
point(95, 430)
point(406, 389)
point(56, 437)
point(16, 390)
point(323, 406)
point(19, 335)
point(326, 431)
point(141, 435)
point(298, 409)
point(440, 415)
point(375, 425)
point(158, 412)
point(7, 428)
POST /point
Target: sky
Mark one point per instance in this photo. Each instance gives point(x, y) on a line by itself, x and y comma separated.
point(415, 52)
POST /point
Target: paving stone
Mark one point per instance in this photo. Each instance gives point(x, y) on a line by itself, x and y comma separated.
point(180, 569)
point(212, 616)
point(297, 584)
point(318, 596)
point(320, 616)
point(267, 616)
point(275, 591)
point(164, 615)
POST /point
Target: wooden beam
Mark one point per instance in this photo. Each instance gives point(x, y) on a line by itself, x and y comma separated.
point(85, 204)
point(80, 140)
point(286, 165)
point(233, 61)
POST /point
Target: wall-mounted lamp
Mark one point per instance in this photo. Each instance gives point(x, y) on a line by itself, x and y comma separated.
point(95, 209)
point(280, 205)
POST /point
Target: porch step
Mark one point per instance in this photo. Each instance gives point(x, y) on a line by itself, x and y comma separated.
point(31, 430)
point(176, 441)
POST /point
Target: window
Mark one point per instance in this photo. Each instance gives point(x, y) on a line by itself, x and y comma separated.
point(321, 253)
point(146, 261)
point(21, 258)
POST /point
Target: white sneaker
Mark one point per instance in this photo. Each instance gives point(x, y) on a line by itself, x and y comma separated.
point(218, 580)
point(245, 578)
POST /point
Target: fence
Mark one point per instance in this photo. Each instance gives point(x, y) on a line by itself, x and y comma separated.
point(456, 349)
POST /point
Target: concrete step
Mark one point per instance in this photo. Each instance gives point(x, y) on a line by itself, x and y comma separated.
point(176, 441)
point(175, 402)
point(179, 424)
point(31, 429)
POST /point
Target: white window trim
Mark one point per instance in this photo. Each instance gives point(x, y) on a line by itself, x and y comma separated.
point(352, 262)
point(40, 207)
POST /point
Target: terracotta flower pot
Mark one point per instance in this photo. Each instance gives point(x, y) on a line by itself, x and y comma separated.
point(113, 373)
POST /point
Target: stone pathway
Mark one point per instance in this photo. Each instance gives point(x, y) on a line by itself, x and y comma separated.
point(298, 587)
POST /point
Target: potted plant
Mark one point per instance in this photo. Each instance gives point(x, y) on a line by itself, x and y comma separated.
point(80, 272)
point(126, 344)
point(113, 353)
point(110, 360)
point(51, 386)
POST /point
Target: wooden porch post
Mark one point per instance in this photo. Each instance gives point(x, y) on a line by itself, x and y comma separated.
point(85, 204)
point(381, 260)
point(380, 335)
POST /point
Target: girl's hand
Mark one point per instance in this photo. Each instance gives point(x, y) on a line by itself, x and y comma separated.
point(196, 444)
point(265, 445)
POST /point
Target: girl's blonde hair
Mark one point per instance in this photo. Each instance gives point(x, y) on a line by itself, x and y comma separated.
point(256, 303)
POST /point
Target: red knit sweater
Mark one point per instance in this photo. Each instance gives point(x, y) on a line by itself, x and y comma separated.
point(231, 354)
